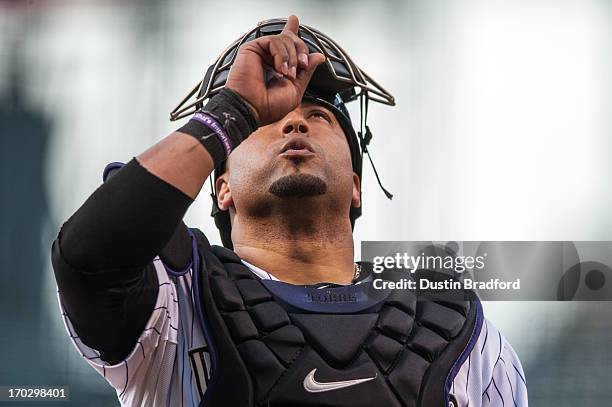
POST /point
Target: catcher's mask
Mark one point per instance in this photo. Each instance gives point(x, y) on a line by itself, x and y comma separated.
point(335, 82)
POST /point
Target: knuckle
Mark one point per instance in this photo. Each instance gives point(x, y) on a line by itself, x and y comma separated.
point(284, 37)
point(288, 42)
point(245, 46)
point(301, 44)
point(279, 49)
point(289, 34)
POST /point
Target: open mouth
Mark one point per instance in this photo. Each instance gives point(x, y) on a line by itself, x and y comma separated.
point(298, 148)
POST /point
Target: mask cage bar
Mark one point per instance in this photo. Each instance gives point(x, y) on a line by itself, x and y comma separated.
point(322, 44)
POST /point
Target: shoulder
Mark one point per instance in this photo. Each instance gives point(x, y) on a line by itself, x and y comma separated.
point(493, 353)
point(492, 372)
point(490, 343)
point(177, 251)
point(503, 378)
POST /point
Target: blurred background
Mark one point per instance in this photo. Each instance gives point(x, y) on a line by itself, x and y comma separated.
point(501, 132)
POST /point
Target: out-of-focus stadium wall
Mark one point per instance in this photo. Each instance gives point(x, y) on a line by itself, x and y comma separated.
point(501, 132)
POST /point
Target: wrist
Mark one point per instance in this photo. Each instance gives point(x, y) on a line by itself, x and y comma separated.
point(251, 108)
point(222, 124)
point(243, 116)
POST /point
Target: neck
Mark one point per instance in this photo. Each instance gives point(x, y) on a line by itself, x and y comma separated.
point(297, 251)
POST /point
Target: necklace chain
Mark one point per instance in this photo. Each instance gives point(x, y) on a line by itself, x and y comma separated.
point(357, 272)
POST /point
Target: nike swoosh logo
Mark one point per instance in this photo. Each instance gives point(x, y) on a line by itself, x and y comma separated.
point(313, 386)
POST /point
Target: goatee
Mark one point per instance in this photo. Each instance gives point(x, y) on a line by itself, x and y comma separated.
point(298, 185)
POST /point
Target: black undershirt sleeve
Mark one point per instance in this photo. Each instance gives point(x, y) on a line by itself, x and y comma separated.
point(125, 222)
point(102, 257)
point(109, 309)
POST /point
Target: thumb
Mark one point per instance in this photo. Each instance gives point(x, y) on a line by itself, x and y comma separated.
point(304, 75)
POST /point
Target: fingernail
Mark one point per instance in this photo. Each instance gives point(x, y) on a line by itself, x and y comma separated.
point(293, 72)
point(303, 59)
point(285, 68)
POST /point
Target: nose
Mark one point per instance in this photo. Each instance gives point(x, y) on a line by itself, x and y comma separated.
point(295, 124)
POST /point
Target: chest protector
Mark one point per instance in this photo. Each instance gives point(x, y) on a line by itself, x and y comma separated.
point(277, 344)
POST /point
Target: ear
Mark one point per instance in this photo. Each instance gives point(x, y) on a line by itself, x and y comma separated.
point(224, 194)
point(356, 199)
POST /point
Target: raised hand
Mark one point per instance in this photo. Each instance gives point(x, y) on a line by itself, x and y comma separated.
point(288, 57)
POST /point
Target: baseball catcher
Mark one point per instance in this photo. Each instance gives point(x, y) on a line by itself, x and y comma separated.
point(281, 315)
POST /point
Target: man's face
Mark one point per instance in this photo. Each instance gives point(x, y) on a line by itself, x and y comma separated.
point(305, 155)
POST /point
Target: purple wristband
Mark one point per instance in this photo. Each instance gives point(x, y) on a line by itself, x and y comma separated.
point(219, 131)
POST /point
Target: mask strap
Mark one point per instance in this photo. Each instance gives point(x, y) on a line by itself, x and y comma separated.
point(367, 137)
point(213, 194)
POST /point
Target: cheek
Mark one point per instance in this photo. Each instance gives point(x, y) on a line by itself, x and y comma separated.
point(248, 155)
point(247, 164)
point(340, 155)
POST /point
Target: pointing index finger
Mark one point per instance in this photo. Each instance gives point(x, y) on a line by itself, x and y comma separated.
point(292, 24)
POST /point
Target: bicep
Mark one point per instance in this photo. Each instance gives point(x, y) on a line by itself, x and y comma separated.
point(108, 309)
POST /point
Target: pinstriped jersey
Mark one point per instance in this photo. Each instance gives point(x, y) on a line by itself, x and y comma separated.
point(160, 369)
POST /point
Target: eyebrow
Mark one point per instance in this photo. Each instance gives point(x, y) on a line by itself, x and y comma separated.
point(312, 105)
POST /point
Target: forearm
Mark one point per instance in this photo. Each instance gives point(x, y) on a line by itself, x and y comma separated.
point(181, 161)
point(128, 220)
point(187, 157)
point(103, 252)
point(124, 223)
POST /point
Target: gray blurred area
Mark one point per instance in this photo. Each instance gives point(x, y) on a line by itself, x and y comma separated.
point(501, 132)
